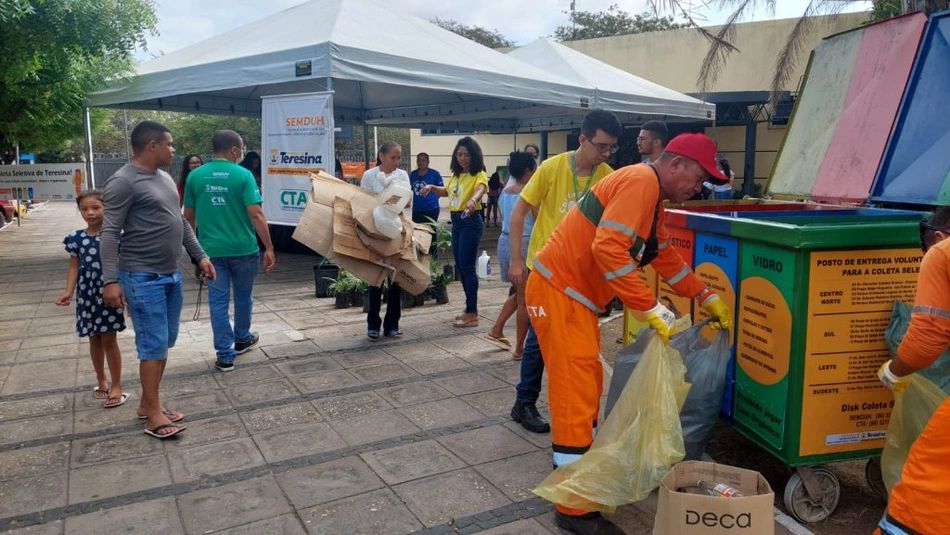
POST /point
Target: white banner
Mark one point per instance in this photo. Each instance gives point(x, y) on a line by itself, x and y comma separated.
point(43, 182)
point(298, 140)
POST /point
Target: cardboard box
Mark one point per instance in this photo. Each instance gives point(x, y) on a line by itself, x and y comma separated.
point(315, 228)
point(412, 268)
point(684, 513)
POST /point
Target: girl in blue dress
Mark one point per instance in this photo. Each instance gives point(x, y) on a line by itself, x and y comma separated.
point(93, 318)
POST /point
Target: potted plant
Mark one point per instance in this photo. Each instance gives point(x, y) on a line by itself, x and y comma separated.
point(324, 274)
point(441, 244)
point(358, 292)
point(341, 287)
point(439, 283)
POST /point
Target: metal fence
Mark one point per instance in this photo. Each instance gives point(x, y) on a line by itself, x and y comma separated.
point(106, 167)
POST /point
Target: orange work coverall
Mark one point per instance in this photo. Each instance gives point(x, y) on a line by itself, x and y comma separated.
point(920, 502)
point(592, 257)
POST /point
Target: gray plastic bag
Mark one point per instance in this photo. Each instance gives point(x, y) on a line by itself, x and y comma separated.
point(706, 365)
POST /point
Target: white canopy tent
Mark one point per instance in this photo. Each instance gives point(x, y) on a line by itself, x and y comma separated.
point(384, 67)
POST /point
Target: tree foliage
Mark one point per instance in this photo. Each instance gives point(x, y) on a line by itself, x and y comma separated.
point(613, 21)
point(55, 52)
point(483, 36)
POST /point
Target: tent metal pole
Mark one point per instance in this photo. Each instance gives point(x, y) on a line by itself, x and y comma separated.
point(125, 125)
point(90, 168)
point(359, 87)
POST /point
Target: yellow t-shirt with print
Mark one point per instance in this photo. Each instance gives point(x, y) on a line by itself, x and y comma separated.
point(461, 187)
point(551, 189)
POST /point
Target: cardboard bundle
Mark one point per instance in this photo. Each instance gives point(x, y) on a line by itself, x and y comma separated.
point(338, 224)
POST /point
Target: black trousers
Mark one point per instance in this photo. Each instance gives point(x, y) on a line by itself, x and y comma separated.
point(393, 308)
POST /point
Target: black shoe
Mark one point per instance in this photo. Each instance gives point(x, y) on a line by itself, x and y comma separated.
point(528, 416)
point(244, 347)
point(589, 524)
point(223, 366)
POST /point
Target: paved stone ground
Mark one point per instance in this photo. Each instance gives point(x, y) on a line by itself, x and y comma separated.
point(317, 431)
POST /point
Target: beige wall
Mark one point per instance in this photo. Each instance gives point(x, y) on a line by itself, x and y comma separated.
point(495, 148)
point(731, 143)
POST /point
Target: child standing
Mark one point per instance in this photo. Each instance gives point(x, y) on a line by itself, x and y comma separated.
point(93, 318)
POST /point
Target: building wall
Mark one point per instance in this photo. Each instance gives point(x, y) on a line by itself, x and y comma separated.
point(495, 148)
point(731, 143)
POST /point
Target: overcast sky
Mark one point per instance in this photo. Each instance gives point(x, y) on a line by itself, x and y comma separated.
point(183, 22)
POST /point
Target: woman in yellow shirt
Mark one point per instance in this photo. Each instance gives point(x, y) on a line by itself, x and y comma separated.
point(465, 190)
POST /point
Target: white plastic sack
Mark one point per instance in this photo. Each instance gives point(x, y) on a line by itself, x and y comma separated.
point(387, 223)
point(395, 195)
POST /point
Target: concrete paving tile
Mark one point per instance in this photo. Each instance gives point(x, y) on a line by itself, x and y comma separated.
point(634, 521)
point(104, 449)
point(446, 412)
point(350, 405)
point(298, 441)
point(40, 376)
point(282, 416)
point(21, 496)
point(231, 505)
point(303, 318)
point(541, 440)
point(52, 352)
point(7, 357)
point(436, 364)
point(30, 462)
point(373, 427)
point(327, 482)
point(486, 444)
point(278, 304)
point(250, 393)
point(507, 372)
point(310, 364)
point(177, 365)
point(296, 349)
point(13, 312)
point(99, 419)
point(10, 329)
point(517, 476)
point(189, 464)
point(323, 381)
point(413, 349)
point(175, 387)
point(279, 525)
point(469, 383)
point(383, 372)
point(368, 514)
point(13, 431)
point(152, 516)
point(465, 345)
point(353, 359)
point(242, 375)
point(413, 393)
point(438, 499)
point(491, 403)
point(49, 331)
point(51, 528)
point(209, 402)
point(206, 432)
point(528, 526)
point(116, 478)
point(412, 461)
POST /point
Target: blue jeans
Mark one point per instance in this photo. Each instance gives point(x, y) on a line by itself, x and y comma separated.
point(154, 304)
point(239, 272)
point(532, 369)
point(466, 233)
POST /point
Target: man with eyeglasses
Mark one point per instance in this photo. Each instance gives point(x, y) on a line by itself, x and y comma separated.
point(553, 190)
point(593, 255)
point(222, 200)
point(926, 472)
point(652, 139)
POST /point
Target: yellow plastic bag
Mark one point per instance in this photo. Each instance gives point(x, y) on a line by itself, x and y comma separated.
point(636, 445)
point(911, 413)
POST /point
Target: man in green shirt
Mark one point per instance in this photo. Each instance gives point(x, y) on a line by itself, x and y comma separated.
point(222, 200)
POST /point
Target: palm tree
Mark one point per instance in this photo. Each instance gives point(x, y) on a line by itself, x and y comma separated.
point(720, 40)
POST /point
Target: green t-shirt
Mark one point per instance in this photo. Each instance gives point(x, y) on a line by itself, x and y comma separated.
point(220, 193)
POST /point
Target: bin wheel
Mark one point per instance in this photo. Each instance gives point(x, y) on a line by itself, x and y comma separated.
point(875, 479)
point(806, 508)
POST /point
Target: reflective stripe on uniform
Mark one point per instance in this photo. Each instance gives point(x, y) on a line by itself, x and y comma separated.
point(620, 272)
point(663, 245)
point(561, 459)
point(931, 311)
point(619, 226)
point(679, 276)
point(542, 269)
point(577, 296)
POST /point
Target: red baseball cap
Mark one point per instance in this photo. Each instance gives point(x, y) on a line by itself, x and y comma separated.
point(701, 149)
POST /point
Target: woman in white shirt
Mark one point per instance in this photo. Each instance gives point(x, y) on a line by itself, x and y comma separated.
point(376, 179)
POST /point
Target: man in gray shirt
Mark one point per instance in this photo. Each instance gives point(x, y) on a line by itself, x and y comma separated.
point(141, 207)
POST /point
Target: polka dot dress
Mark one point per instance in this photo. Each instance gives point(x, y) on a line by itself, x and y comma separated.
point(92, 316)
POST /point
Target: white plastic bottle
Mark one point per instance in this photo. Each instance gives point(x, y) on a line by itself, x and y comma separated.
point(484, 265)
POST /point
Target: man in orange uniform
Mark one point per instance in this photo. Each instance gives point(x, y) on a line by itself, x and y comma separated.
point(920, 503)
point(593, 255)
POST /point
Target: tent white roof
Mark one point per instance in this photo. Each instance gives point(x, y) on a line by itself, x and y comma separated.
point(385, 67)
point(614, 89)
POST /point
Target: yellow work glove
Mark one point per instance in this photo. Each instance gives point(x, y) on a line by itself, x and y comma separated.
point(895, 383)
point(662, 320)
point(717, 308)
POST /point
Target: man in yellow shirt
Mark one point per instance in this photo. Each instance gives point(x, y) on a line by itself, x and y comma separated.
point(553, 190)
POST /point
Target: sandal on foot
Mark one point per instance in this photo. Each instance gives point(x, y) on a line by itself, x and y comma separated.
point(100, 393)
point(112, 403)
point(515, 356)
point(394, 333)
point(501, 340)
point(173, 416)
point(466, 323)
point(155, 432)
point(373, 335)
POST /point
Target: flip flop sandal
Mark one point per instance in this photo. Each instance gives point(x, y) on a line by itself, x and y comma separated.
point(96, 391)
point(515, 356)
point(501, 340)
point(465, 323)
point(121, 401)
point(174, 416)
point(155, 431)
